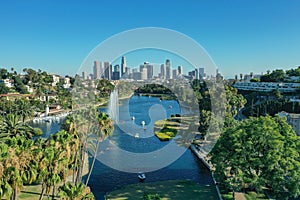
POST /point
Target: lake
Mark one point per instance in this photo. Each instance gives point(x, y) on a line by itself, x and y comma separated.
point(147, 109)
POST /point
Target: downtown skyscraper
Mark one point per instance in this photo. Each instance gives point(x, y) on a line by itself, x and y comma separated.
point(162, 71)
point(97, 72)
point(168, 69)
point(123, 66)
point(107, 70)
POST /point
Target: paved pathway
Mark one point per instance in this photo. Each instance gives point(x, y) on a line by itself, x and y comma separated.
point(239, 196)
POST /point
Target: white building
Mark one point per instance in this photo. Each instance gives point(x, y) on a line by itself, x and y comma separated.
point(67, 83)
point(144, 72)
point(7, 82)
point(174, 73)
point(55, 79)
point(267, 86)
point(293, 119)
point(29, 89)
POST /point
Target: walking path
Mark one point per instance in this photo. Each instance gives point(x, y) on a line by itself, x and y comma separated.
point(202, 155)
point(239, 196)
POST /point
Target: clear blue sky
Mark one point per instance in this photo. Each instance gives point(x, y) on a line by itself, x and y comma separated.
point(241, 36)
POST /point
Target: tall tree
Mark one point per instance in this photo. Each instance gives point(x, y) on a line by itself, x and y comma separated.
point(259, 152)
point(70, 191)
point(103, 130)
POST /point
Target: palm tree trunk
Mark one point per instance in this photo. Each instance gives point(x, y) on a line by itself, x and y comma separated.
point(92, 166)
point(75, 167)
point(53, 191)
point(43, 191)
point(14, 196)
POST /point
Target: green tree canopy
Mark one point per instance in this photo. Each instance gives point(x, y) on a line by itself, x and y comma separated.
point(105, 88)
point(277, 75)
point(259, 152)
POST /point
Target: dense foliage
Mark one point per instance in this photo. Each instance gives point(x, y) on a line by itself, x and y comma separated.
point(234, 103)
point(280, 75)
point(259, 153)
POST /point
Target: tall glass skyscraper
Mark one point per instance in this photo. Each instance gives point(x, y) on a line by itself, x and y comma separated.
point(97, 70)
point(123, 65)
point(168, 69)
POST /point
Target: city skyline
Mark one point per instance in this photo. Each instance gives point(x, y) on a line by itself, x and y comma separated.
point(145, 71)
point(240, 36)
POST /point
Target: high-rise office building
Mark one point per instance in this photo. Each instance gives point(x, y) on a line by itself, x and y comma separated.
point(174, 73)
point(107, 70)
point(149, 70)
point(162, 71)
point(196, 73)
point(115, 75)
point(84, 75)
point(141, 67)
point(97, 69)
point(168, 69)
point(137, 75)
point(144, 73)
point(127, 70)
point(180, 70)
point(123, 66)
point(192, 74)
point(116, 68)
point(201, 73)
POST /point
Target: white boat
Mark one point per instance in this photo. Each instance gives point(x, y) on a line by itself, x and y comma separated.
point(141, 176)
point(143, 123)
point(137, 135)
point(47, 120)
point(132, 118)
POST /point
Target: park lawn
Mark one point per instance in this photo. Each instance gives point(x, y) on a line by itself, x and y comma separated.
point(247, 196)
point(173, 189)
point(30, 192)
point(168, 128)
point(254, 195)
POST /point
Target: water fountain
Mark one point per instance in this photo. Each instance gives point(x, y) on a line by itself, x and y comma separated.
point(113, 107)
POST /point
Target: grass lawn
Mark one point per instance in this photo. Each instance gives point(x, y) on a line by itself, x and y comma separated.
point(247, 196)
point(254, 195)
point(174, 189)
point(168, 128)
point(31, 192)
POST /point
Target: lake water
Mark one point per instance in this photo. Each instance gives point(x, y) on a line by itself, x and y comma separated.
point(105, 179)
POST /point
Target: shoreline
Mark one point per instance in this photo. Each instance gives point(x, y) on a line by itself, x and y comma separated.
point(202, 157)
point(169, 189)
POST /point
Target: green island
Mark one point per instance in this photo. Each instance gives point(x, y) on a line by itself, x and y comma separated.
point(168, 128)
point(164, 190)
point(155, 90)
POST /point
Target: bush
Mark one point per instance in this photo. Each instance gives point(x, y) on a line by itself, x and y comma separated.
point(162, 136)
point(151, 196)
point(37, 131)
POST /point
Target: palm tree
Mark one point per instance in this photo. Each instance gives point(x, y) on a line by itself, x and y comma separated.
point(5, 187)
point(85, 121)
point(105, 128)
point(11, 126)
point(51, 164)
point(70, 191)
point(61, 144)
point(24, 109)
point(21, 165)
point(13, 176)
